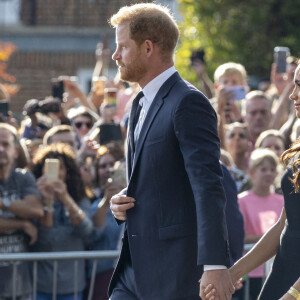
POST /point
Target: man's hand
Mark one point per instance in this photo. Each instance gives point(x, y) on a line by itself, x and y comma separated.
point(119, 204)
point(221, 281)
point(31, 230)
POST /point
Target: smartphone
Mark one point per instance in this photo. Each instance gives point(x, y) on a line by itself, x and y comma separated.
point(92, 136)
point(99, 83)
point(57, 88)
point(118, 177)
point(197, 55)
point(110, 96)
point(239, 92)
point(110, 132)
point(4, 108)
point(280, 55)
point(51, 169)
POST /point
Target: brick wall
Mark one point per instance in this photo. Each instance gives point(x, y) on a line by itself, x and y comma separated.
point(35, 70)
point(76, 13)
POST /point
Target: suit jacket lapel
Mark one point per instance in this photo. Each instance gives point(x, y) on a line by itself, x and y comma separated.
point(153, 110)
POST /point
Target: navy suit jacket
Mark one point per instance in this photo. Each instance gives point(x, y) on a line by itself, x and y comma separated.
point(178, 222)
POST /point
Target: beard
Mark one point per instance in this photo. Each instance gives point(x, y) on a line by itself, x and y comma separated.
point(4, 161)
point(133, 71)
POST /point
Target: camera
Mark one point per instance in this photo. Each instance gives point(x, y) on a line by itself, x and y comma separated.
point(46, 106)
point(49, 105)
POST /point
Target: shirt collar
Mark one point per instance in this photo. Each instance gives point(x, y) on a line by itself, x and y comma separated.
point(151, 89)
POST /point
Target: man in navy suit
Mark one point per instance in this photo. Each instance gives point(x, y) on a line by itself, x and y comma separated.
point(174, 202)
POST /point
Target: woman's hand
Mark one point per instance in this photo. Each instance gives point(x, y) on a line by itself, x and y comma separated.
point(60, 189)
point(210, 292)
point(287, 297)
point(46, 190)
point(112, 189)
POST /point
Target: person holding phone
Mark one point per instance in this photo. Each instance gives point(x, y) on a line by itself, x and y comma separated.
point(106, 233)
point(230, 81)
point(82, 120)
point(66, 222)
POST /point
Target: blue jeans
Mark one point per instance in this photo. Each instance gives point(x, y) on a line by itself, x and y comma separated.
point(44, 296)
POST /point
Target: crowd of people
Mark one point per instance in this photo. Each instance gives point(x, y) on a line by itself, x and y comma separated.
point(87, 134)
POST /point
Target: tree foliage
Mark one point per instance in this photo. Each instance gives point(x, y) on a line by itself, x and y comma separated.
point(241, 31)
point(7, 81)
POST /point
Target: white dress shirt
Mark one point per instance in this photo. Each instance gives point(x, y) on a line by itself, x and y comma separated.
point(150, 91)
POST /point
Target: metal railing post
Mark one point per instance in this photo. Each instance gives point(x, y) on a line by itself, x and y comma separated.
point(92, 282)
point(75, 279)
point(34, 278)
point(54, 289)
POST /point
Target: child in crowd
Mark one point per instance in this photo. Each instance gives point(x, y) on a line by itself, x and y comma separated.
point(275, 141)
point(259, 206)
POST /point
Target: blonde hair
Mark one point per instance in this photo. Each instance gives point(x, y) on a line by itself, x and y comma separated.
point(149, 21)
point(230, 68)
point(229, 128)
point(55, 130)
point(265, 134)
point(295, 131)
point(255, 94)
point(259, 155)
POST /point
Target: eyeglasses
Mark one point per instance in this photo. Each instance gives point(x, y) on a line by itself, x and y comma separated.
point(78, 125)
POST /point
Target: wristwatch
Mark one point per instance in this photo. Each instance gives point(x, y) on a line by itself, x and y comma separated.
point(6, 203)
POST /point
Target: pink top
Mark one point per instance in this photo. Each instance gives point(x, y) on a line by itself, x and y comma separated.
point(260, 213)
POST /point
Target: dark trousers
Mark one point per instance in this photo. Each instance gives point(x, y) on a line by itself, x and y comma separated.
point(125, 288)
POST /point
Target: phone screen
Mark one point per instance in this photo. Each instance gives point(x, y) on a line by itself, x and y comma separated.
point(57, 89)
point(239, 92)
point(51, 169)
point(4, 108)
point(280, 55)
point(110, 96)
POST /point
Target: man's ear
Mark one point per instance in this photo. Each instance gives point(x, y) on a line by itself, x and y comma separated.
point(149, 48)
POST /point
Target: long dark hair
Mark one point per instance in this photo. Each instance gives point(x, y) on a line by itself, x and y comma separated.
point(75, 185)
point(286, 158)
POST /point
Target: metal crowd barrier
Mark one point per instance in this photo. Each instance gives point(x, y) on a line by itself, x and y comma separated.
point(76, 255)
point(14, 258)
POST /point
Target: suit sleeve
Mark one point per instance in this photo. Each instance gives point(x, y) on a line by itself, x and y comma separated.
point(234, 218)
point(195, 125)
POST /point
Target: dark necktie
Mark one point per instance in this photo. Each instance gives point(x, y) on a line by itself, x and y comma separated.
point(139, 96)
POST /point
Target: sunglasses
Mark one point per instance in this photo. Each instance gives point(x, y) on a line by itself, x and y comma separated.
point(80, 124)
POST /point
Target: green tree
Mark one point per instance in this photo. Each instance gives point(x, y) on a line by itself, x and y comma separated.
point(241, 31)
